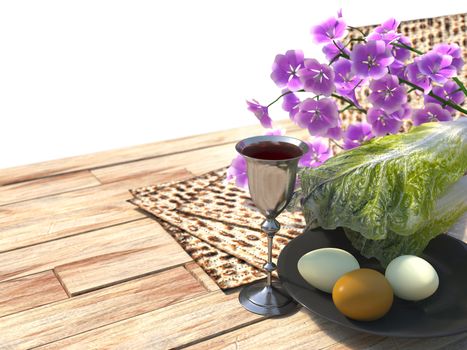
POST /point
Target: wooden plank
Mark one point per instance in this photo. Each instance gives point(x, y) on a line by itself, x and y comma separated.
point(167, 328)
point(201, 161)
point(302, 330)
point(56, 321)
point(46, 187)
point(29, 291)
point(201, 276)
point(43, 219)
point(360, 341)
point(197, 162)
point(98, 258)
point(60, 166)
point(148, 248)
point(305, 330)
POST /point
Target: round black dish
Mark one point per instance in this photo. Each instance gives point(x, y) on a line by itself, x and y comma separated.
point(442, 314)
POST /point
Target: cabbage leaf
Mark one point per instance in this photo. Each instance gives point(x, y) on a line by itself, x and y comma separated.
point(393, 194)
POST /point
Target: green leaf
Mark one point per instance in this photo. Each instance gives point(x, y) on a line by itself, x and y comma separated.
point(448, 209)
point(388, 189)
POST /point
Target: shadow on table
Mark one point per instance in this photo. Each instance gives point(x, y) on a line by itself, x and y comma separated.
point(339, 337)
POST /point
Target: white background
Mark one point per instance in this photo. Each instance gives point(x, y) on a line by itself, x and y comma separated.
point(84, 76)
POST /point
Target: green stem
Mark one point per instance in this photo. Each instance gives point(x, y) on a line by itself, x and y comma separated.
point(404, 46)
point(334, 142)
point(461, 86)
point(436, 97)
point(358, 30)
point(342, 98)
point(358, 84)
point(334, 59)
point(352, 40)
point(341, 50)
point(285, 93)
point(345, 108)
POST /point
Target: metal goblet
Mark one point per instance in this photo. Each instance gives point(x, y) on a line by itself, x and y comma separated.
point(271, 184)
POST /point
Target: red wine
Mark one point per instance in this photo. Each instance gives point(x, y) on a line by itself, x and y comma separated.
point(269, 150)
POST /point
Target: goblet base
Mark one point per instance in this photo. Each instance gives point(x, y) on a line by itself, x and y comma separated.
point(262, 299)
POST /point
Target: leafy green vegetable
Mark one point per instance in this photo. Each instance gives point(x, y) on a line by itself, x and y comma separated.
point(447, 210)
point(395, 193)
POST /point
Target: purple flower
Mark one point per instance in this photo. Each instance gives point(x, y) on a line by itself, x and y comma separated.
point(418, 78)
point(317, 116)
point(333, 28)
point(431, 113)
point(449, 91)
point(386, 32)
point(452, 50)
point(401, 54)
point(350, 95)
point(398, 69)
point(237, 171)
point(317, 78)
point(344, 78)
point(290, 104)
point(382, 122)
point(285, 68)
point(436, 66)
point(275, 132)
point(331, 50)
point(318, 152)
point(334, 133)
point(371, 59)
point(346, 82)
point(261, 112)
point(387, 94)
point(356, 134)
point(406, 111)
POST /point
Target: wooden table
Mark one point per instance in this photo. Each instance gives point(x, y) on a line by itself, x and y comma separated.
point(81, 268)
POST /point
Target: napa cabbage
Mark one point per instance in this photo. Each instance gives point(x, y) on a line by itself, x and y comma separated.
point(393, 194)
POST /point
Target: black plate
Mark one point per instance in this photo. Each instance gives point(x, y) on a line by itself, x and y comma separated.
point(444, 313)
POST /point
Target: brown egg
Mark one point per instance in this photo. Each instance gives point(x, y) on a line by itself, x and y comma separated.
point(363, 295)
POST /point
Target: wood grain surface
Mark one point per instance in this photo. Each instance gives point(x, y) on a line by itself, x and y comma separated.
point(62, 319)
point(91, 260)
point(52, 217)
point(45, 187)
point(29, 292)
point(144, 248)
point(309, 332)
point(304, 330)
point(66, 226)
point(198, 162)
point(167, 328)
point(201, 276)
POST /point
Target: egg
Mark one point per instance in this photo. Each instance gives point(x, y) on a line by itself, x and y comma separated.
point(412, 278)
point(322, 267)
point(363, 295)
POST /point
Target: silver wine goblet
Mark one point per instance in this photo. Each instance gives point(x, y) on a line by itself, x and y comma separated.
point(271, 181)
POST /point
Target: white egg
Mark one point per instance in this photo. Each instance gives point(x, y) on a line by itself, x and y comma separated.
point(412, 278)
point(323, 267)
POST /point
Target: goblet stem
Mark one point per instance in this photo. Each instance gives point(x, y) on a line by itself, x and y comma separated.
point(270, 226)
point(270, 238)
